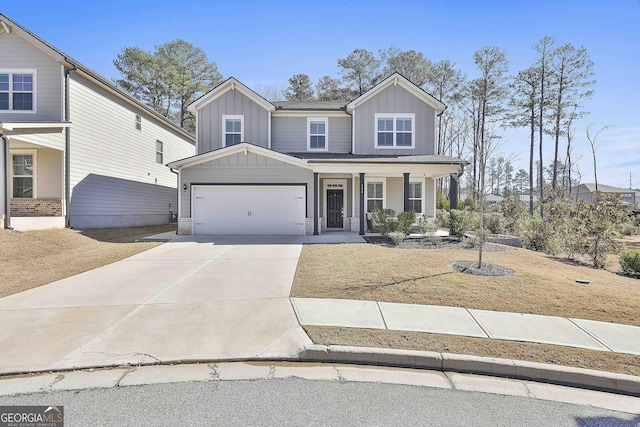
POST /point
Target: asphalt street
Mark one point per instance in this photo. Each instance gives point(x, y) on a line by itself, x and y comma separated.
point(296, 402)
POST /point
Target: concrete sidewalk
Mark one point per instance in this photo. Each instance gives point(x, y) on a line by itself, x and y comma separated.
point(569, 332)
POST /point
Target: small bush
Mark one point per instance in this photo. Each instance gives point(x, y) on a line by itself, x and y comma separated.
point(405, 222)
point(461, 221)
point(627, 229)
point(495, 223)
point(630, 262)
point(426, 225)
point(469, 203)
point(442, 218)
point(441, 201)
point(397, 237)
point(514, 216)
point(385, 221)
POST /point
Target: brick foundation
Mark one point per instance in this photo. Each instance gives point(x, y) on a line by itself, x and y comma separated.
point(36, 207)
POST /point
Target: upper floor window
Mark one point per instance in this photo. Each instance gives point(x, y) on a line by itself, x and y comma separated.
point(232, 129)
point(395, 130)
point(17, 90)
point(23, 175)
point(138, 122)
point(317, 131)
point(159, 152)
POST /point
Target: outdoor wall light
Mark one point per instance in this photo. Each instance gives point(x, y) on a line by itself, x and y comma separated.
point(184, 187)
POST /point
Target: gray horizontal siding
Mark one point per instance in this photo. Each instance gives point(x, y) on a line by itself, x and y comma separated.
point(244, 169)
point(289, 134)
point(17, 53)
point(394, 99)
point(256, 121)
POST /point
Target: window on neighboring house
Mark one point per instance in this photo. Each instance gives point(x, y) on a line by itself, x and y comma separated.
point(17, 90)
point(395, 130)
point(233, 130)
point(23, 176)
point(138, 122)
point(375, 195)
point(317, 129)
point(415, 196)
point(159, 151)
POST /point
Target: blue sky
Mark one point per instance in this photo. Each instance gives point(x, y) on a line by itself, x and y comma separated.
point(264, 43)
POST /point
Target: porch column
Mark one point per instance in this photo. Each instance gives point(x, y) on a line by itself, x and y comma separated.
point(315, 202)
point(362, 203)
point(406, 191)
point(453, 191)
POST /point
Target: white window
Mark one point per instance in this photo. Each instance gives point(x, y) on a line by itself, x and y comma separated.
point(232, 129)
point(375, 195)
point(416, 196)
point(395, 130)
point(138, 122)
point(317, 132)
point(23, 176)
point(18, 90)
point(159, 151)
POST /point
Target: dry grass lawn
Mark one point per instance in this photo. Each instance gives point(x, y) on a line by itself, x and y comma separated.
point(35, 258)
point(542, 284)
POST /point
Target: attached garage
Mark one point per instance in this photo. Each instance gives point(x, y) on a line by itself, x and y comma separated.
point(249, 209)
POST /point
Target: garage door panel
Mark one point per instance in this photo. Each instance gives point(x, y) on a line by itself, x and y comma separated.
point(249, 210)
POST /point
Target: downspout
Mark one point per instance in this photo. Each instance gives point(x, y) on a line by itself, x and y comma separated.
point(179, 194)
point(67, 150)
point(7, 199)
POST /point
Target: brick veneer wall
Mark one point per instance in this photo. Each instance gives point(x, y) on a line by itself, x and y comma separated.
point(36, 207)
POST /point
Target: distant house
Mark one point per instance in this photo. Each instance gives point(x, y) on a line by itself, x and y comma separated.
point(77, 150)
point(586, 192)
point(309, 167)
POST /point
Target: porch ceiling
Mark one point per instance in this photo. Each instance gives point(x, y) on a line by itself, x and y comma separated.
point(387, 169)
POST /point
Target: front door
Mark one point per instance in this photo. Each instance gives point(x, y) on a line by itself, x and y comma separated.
point(334, 208)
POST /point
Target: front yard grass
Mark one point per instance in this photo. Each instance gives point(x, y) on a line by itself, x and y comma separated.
point(542, 285)
point(35, 258)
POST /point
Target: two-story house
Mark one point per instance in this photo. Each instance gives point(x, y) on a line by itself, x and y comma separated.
point(306, 168)
point(76, 150)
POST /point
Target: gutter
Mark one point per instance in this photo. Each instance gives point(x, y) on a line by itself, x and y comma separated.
point(7, 199)
point(67, 150)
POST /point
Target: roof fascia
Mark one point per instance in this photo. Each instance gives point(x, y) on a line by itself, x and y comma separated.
point(310, 113)
point(39, 44)
point(230, 84)
point(397, 79)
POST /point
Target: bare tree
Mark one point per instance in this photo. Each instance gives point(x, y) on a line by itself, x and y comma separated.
point(593, 139)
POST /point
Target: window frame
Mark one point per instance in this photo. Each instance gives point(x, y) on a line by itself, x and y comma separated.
point(382, 181)
point(11, 92)
point(226, 117)
point(33, 154)
point(394, 132)
point(160, 152)
point(138, 122)
point(325, 120)
point(422, 193)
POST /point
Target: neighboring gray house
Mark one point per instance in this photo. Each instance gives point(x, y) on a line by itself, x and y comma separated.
point(586, 191)
point(76, 150)
point(306, 168)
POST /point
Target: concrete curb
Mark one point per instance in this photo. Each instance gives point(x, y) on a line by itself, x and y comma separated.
point(541, 372)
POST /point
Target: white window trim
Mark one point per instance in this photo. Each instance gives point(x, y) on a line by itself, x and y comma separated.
point(395, 116)
point(138, 124)
point(326, 133)
point(225, 117)
point(161, 152)
point(384, 191)
point(35, 172)
point(422, 195)
point(34, 91)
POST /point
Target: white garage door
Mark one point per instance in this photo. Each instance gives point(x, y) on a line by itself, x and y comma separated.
point(238, 209)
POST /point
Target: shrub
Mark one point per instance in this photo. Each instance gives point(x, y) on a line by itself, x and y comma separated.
point(630, 262)
point(397, 237)
point(405, 222)
point(442, 218)
point(441, 201)
point(627, 229)
point(495, 223)
point(385, 221)
point(461, 221)
point(469, 203)
point(514, 216)
point(426, 225)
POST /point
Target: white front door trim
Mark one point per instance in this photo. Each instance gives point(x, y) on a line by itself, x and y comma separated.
point(335, 184)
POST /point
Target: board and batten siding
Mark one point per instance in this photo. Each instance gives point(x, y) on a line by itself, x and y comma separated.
point(18, 54)
point(394, 99)
point(289, 134)
point(114, 177)
point(244, 169)
point(232, 102)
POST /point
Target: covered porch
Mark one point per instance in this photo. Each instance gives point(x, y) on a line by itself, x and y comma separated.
point(33, 176)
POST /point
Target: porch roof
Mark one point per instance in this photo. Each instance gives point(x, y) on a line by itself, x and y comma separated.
point(427, 159)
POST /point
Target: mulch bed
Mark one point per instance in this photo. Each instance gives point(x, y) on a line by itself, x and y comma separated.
point(430, 243)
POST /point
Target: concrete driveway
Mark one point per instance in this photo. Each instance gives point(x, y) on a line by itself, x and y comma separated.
point(194, 298)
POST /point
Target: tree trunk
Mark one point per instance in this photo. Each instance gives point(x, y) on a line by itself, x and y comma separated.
point(531, 151)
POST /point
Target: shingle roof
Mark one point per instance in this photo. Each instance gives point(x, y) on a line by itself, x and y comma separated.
point(607, 188)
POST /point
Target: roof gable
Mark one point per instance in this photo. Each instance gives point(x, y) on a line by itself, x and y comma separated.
point(397, 79)
point(230, 84)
